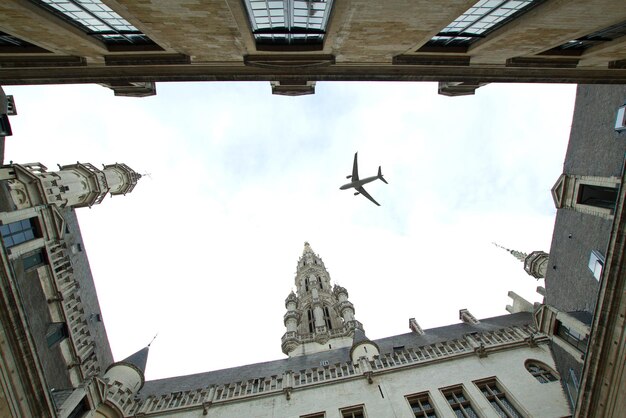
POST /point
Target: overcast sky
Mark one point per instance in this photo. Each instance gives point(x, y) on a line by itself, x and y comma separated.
point(204, 250)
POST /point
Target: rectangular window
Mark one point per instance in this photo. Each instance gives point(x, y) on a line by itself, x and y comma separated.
point(96, 19)
point(459, 403)
point(353, 412)
point(19, 232)
point(574, 338)
point(57, 332)
point(289, 21)
point(34, 259)
point(421, 406)
point(483, 17)
point(599, 196)
point(596, 263)
point(497, 398)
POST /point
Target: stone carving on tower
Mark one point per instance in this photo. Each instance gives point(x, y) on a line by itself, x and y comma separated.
point(319, 317)
point(535, 263)
point(75, 185)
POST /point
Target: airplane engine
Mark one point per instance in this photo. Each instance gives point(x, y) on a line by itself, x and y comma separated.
point(356, 193)
point(348, 177)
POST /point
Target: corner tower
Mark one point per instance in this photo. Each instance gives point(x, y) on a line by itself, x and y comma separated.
point(319, 317)
point(76, 185)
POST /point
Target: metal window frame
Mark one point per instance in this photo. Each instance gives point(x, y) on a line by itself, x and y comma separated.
point(466, 36)
point(286, 30)
point(129, 36)
point(607, 34)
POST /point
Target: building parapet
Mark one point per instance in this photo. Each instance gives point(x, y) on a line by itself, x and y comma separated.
point(67, 290)
point(476, 343)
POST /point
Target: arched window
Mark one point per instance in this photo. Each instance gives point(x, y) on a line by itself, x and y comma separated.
point(540, 372)
point(319, 281)
point(327, 318)
point(311, 320)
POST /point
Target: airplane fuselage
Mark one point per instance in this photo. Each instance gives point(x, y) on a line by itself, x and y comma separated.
point(358, 183)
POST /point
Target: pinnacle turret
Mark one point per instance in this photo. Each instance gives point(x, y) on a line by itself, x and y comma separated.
point(362, 346)
point(129, 372)
point(535, 263)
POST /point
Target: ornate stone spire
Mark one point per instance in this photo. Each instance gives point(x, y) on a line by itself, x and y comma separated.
point(517, 254)
point(535, 263)
point(319, 317)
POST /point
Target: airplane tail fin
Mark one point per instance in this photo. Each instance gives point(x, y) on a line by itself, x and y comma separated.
point(380, 175)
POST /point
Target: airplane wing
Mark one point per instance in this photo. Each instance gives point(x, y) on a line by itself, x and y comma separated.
point(355, 169)
point(366, 194)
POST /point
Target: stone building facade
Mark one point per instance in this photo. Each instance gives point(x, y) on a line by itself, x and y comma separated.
point(128, 45)
point(55, 352)
point(584, 307)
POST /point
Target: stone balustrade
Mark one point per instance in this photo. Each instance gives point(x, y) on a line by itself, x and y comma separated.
point(471, 344)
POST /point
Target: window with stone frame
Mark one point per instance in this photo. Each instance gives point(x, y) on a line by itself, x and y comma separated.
point(421, 405)
point(315, 415)
point(311, 320)
point(289, 22)
point(598, 37)
point(353, 412)
point(57, 332)
point(329, 325)
point(458, 402)
point(571, 336)
point(479, 20)
point(19, 232)
point(34, 259)
point(598, 196)
point(540, 372)
point(497, 398)
point(96, 19)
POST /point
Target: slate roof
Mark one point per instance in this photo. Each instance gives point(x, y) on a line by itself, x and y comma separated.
point(564, 364)
point(341, 355)
point(138, 359)
point(88, 295)
point(594, 149)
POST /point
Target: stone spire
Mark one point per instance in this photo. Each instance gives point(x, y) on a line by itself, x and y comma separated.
point(517, 254)
point(75, 185)
point(535, 263)
point(319, 317)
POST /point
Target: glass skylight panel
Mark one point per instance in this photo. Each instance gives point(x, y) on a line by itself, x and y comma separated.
point(478, 20)
point(10, 40)
point(96, 19)
point(595, 38)
point(289, 21)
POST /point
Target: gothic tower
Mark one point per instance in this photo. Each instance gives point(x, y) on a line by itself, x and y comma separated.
point(75, 185)
point(319, 317)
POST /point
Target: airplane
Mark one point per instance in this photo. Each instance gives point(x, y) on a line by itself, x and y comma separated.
point(358, 184)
